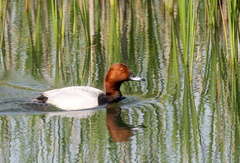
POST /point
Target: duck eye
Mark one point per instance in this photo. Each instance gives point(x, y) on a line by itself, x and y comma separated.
point(122, 69)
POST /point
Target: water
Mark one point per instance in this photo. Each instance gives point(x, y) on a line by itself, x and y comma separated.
point(167, 118)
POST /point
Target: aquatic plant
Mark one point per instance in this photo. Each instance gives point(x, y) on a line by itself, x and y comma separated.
point(187, 50)
point(3, 9)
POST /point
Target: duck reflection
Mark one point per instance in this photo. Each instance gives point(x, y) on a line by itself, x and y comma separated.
point(118, 130)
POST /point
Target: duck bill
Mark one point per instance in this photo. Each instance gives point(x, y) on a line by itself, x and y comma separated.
point(135, 78)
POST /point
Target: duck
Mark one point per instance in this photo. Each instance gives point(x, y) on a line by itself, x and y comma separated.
point(85, 97)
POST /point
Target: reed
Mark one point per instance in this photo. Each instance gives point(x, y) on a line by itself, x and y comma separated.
point(84, 15)
point(34, 29)
point(192, 32)
point(187, 15)
point(62, 39)
point(3, 9)
point(173, 67)
point(38, 40)
point(224, 23)
point(75, 10)
point(152, 53)
point(183, 24)
point(55, 21)
point(192, 5)
point(233, 17)
point(173, 79)
point(29, 26)
point(114, 33)
point(144, 41)
point(185, 127)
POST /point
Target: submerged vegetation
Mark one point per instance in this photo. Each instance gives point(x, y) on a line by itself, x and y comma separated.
point(188, 51)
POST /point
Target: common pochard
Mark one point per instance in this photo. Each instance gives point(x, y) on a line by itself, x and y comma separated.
point(83, 97)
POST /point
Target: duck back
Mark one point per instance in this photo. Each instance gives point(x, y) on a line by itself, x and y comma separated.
point(75, 97)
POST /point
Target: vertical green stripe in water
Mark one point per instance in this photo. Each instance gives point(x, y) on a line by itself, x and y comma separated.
point(184, 28)
point(84, 14)
point(3, 9)
point(185, 128)
point(189, 129)
point(173, 83)
point(74, 26)
point(54, 10)
point(30, 62)
point(189, 119)
point(38, 41)
point(62, 50)
point(191, 22)
point(173, 86)
point(152, 52)
point(114, 33)
point(233, 17)
point(2, 55)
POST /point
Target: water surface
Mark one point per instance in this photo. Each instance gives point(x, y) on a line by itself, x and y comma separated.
point(176, 115)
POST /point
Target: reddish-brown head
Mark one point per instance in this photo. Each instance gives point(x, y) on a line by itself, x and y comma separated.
point(117, 74)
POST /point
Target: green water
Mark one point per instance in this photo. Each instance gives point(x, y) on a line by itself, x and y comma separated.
point(187, 110)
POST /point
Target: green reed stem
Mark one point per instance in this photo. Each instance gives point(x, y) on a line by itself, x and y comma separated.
point(192, 32)
point(30, 27)
point(224, 28)
point(63, 14)
point(183, 25)
point(173, 69)
point(54, 4)
point(62, 51)
point(84, 14)
point(192, 27)
point(187, 24)
point(233, 15)
point(74, 17)
point(2, 19)
point(185, 128)
point(3, 9)
point(173, 79)
point(34, 37)
point(38, 41)
point(114, 34)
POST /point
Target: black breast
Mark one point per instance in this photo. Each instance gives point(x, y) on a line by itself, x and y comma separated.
point(103, 99)
point(41, 99)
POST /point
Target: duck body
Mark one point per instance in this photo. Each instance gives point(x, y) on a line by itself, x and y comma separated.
point(73, 98)
point(84, 97)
